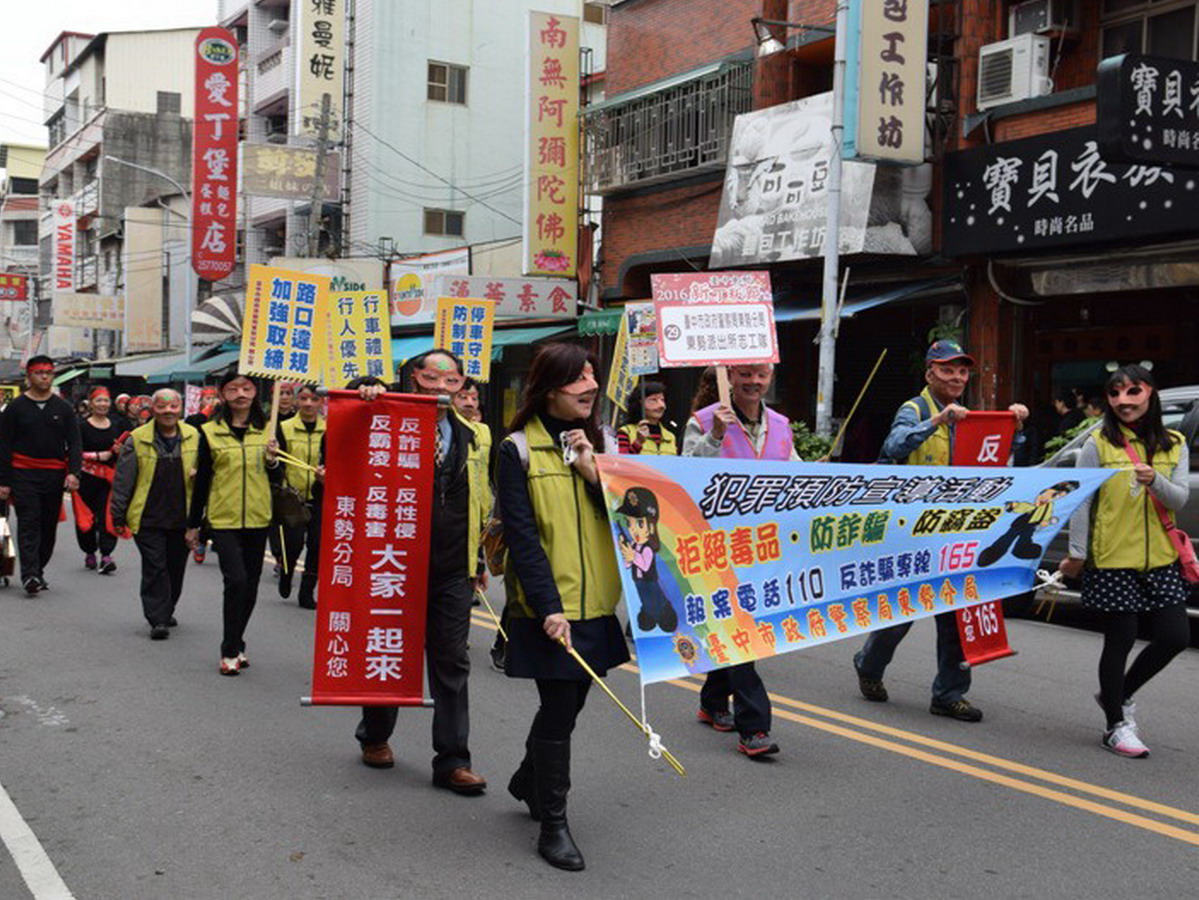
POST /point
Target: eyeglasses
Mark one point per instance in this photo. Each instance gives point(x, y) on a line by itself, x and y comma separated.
point(450, 381)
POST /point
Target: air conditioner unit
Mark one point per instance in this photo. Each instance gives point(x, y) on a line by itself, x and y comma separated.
point(1043, 16)
point(278, 26)
point(1013, 70)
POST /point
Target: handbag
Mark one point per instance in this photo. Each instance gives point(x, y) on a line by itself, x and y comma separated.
point(288, 507)
point(1178, 538)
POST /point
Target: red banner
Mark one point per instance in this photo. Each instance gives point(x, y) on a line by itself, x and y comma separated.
point(983, 439)
point(214, 155)
point(370, 626)
point(13, 287)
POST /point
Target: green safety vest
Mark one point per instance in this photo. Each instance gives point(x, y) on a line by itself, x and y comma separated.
point(147, 462)
point(935, 450)
point(667, 447)
point(478, 460)
point(241, 493)
point(306, 445)
point(574, 534)
point(1126, 532)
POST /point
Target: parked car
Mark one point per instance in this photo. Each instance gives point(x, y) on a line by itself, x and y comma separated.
point(1180, 411)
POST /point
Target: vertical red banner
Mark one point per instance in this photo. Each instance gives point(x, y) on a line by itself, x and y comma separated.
point(370, 625)
point(983, 439)
point(214, 155)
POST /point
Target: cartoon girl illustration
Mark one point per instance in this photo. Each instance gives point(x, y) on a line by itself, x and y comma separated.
point(639, 546)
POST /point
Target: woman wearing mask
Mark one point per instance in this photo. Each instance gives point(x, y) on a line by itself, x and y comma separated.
point(644, 431)
point(561, 578)
point(99, 434)
point(1120, 546)
point(235, 464)
point(303, 436)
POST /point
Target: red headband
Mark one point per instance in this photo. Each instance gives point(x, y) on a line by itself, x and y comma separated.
point(40, 367)
point(99, 390)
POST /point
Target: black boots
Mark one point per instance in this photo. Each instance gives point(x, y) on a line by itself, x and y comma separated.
point(523, 786)
point(307, 586)
point(285, 584)
point(551, 774)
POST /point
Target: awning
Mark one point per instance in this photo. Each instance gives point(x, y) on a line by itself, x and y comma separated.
point(853, 307)
point(197, 371)
point(217, 319)
point(100, 371)
point(653, 87)
point(512, 336)
point(147, 363)
point(68, 375)
point(606, 321)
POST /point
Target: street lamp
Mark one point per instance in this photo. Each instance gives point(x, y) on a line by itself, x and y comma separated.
point(191, 276)
point(765, 31)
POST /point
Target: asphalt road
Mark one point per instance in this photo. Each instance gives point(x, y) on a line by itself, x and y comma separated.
point(144, 774)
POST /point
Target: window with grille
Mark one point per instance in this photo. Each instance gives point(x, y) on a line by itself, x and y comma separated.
point(169, 102)
point(445, 222)
point(1156, 27)
point(24, 234)
point(447, 82)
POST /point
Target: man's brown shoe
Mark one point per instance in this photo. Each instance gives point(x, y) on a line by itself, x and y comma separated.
point(461, 781)
point(378, 756)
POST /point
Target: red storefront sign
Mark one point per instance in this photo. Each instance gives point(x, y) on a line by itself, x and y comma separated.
point(370, 628)
point(983, 439)
point(14, 287)
point(214, 155)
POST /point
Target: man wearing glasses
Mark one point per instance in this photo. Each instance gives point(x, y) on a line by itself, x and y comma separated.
point(40, 452)
point(455, 531)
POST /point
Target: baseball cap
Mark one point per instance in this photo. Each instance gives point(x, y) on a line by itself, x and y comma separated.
point(947, 351)
point(640, 503)
point(584, 383)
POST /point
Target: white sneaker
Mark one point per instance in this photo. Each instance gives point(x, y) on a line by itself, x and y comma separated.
point(1128, 710)
point(1123, 740)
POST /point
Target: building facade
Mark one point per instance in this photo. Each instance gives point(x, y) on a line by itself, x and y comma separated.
point(20, 166)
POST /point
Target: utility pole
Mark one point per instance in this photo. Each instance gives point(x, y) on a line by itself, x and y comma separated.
point(317, 204)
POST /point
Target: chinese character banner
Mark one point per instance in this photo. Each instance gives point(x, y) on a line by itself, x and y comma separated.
point(283, 326)
point(464, 327)
point(358, 337)
point(727, 561)
point(214, 155)
point(370, 628)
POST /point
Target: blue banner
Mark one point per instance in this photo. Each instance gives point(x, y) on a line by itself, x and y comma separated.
point(727, 561)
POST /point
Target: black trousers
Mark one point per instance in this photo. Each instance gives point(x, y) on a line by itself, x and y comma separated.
point(447, 625)
point(309, 536)
point(164, 563)
point(751, 705)
point(240, 551)
point(94, 492)
point(561, 702)
point(37, 498)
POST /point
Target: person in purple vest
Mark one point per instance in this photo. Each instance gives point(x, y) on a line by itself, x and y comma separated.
point(747, 430)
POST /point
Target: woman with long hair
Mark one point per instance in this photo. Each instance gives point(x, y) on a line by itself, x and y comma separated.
point(706, 392)
point(561, 577)
point(1119, 543)
point(98, 434)
point(235, 464)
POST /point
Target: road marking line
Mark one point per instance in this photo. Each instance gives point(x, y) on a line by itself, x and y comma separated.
point(34, 865)
point(1181, 834)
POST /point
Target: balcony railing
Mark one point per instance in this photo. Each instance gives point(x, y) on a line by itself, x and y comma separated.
point(87, 272)
point(272, 73)
point(678, 131)
point(87, 200)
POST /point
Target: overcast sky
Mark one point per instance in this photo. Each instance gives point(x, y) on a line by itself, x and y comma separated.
point(30, 26)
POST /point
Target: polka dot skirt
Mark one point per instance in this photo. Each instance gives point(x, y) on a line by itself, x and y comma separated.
point(1131, 590)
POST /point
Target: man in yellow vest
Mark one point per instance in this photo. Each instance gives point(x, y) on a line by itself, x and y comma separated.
point(151, 493)
point(922, 434)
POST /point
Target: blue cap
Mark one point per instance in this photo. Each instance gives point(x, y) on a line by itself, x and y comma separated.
point(947, 351)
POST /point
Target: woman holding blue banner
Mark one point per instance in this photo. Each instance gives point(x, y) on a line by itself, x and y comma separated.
point(561, 576)
point(1122, 546)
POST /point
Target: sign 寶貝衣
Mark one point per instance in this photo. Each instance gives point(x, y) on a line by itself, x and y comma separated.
point(642, 326)
point(77, 310)
point(320, 69)
point(283, 325)
point(551, 226)
point(515, 298)
point(413, 302)
point(885, 93)
point(289, 173)
point(1146, 110)
point(740, 560)
point(214, 154)
point(1057, 190)
point(464, 326)
point(358, 339)
point(714, 319)
point(621, 381)
point(370, 630)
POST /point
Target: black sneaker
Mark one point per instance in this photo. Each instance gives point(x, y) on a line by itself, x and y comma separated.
point(962, 710)
point(498, 657)
point(159, 632)
point(172, 622)
point(32, 586)
point(42, 583)
point(872, 689)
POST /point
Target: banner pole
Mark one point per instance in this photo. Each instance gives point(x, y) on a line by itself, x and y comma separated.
point(862, 393)
point(491, 611)
point(273, 426)
point(722, 386)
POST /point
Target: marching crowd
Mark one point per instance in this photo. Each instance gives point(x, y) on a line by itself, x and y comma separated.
point(223, 477)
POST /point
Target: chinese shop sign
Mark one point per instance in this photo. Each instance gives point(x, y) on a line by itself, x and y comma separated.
point(214, 155)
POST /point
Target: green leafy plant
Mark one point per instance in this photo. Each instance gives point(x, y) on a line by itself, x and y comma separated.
point(1057, 442)
point(809, 445)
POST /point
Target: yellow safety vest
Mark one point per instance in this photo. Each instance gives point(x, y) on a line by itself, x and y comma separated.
point(147, 462)
point(478, 460)
point(935, 450)
point(574, 533)
point(306, 445)
point(667, 447)
point(1126, 532)
point(241, 493)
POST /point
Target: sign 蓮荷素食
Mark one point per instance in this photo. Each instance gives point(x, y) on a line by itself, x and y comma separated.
point(464, 327)
point(283, 325)
point(714, 319)
point(358, 337)
point(214, 154)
